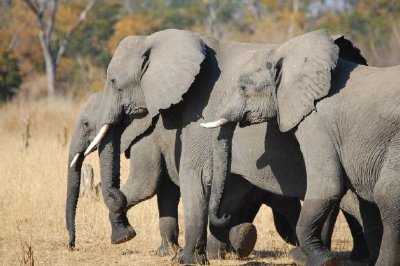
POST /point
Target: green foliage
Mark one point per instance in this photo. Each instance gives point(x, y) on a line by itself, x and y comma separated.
point(10, 77)
point(91, 39)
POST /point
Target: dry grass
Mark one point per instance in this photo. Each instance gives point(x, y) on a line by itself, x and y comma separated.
point(32, 202)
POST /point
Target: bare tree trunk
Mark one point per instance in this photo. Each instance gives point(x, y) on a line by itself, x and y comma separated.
point(46, 25)
point(292, 24)
point(212, 19)
point(50, 68)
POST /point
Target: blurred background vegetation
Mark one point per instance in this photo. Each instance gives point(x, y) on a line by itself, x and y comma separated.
point(78, 37)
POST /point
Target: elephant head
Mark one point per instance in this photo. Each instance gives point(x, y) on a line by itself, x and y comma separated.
point(85, 131)
point(146, 74)
point(285, 83)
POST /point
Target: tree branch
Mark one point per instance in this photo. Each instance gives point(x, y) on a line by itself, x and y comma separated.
point(52, 19)
point(64, 43)
point(36, 11)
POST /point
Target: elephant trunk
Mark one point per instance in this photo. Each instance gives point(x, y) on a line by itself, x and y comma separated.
point(74, 176)
point(109, 154)
point(222, 142)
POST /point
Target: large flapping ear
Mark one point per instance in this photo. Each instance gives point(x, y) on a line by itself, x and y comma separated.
point(174, 58)
point(135, 130)
point(304, 66)
point(348, 51)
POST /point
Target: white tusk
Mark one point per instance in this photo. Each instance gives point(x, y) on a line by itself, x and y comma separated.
point(74, 160)
point(218, 123)
point(98, 138)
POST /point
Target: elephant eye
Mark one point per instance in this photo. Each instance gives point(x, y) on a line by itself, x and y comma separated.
point(86, 124)
point(243, 89)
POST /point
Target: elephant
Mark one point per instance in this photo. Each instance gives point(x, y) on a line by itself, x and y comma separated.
point(154, 171)
point(345, 117)
point(184, 77)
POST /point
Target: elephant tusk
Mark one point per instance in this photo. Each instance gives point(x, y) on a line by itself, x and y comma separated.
point(74, 160)
point(218, 123)
point(98, 138)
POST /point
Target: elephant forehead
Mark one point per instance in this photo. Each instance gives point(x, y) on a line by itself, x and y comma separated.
point(127, 52)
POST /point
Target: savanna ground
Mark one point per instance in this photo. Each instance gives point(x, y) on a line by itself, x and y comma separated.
point(33, 193)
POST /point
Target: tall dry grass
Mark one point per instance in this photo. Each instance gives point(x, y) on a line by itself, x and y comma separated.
point(33, 193)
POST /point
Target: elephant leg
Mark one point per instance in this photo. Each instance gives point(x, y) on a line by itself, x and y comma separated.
point(351, 207)
point(240, 238)
point(144, 178)
point(168, 199)
point(372, 227)
point(360, 249)
point(243, 238)
point(327, 229)
point(194, 199)
point(387, 197)
point(240, 235)
point(324, 190)
point(286, 213)
point(217, 249)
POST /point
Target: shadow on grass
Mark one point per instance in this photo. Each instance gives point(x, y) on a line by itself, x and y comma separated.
point(344, 258)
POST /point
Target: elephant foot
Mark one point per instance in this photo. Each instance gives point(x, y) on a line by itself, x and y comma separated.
point(122, 231)
point(298, 256)
point(322, 257)
point(243, 238)
point(190, 258)
point(168, 249)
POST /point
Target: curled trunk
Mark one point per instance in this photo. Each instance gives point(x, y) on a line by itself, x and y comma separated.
point(222, 147)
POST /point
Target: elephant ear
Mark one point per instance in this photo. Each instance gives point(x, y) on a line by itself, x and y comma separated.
point(303, 75)
point(174, 58)
point(348, 51)
point(134, 131)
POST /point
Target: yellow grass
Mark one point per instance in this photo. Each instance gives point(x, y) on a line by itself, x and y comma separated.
point(32, 202)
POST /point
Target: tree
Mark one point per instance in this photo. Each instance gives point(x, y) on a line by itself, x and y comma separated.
point(53, 46)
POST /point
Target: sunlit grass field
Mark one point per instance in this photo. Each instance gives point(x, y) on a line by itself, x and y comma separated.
point(33, 193)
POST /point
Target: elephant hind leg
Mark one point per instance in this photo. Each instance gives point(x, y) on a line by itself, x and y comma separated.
point(387, 197)
point(168, 199)
point(324, 190)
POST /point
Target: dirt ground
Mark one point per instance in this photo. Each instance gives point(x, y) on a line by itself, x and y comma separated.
point(33, 194)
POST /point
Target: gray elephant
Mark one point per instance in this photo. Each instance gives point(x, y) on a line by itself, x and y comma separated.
point(183, 77)
point(345, 117)
point(153, 171)
point(151, 150)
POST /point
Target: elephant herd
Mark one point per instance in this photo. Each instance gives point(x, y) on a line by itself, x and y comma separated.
point(315, 124)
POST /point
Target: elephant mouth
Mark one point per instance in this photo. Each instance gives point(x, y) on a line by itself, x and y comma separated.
point(249, 119)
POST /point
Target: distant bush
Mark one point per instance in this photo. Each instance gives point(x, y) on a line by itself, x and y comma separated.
point(10, 75)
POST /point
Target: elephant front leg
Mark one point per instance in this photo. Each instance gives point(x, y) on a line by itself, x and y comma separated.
point(168, 199)
point(239, 239)
point(194, 198)
point(309, 227)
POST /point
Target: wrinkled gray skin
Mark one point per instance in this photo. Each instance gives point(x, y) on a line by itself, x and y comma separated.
point(153, 74)
point(154, 171)
point(347, 123)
